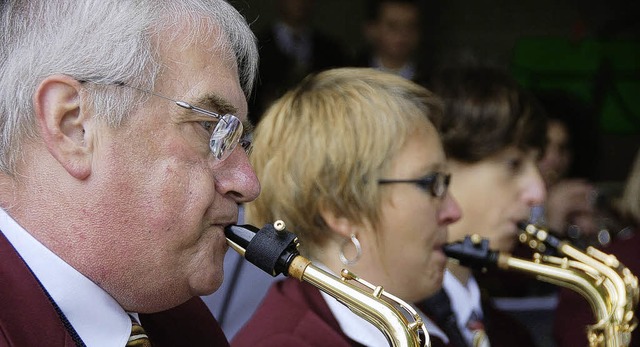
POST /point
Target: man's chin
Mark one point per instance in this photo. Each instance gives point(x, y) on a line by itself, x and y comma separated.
point(202, 286)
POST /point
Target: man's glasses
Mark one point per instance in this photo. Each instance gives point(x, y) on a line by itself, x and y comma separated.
point(435, 183)
point(227, 133)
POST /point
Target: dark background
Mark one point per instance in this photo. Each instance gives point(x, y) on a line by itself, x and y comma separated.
point(590, 48)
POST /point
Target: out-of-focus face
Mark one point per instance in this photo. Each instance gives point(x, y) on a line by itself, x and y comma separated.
point(495, 194)
point(167, 198)
point(296, 12)
point(396, 33)
point(557, 156)
point(407, 244)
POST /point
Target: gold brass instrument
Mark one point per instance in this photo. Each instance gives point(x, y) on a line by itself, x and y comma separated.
point(618, 285)
point(609, 287)
point(274, 250)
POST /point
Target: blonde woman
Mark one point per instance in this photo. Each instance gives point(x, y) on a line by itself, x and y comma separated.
point(350, 161)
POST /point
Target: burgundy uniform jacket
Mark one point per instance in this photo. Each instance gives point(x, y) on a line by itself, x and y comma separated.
point(292, 314)
point(28, 318)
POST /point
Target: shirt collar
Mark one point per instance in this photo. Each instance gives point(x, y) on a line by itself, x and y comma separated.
point(464, 300)
point(94, 314)
point(408, 70)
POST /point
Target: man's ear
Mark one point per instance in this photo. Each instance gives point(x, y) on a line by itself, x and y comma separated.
point(63, 122)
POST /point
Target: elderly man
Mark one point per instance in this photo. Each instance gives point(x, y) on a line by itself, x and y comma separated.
point(121, 161)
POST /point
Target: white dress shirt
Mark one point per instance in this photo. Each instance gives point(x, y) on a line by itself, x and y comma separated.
point(94, 314)
point(295, 44)
point(465, 300)
point(407, 71)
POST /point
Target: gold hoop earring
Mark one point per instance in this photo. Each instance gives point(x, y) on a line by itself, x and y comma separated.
point(356, 243)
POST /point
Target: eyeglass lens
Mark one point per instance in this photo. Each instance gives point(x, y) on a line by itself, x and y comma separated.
point(440, 184)
point(226, 136)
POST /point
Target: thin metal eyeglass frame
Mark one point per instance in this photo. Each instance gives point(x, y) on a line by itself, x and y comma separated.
point(228, 126)
point(436, 183)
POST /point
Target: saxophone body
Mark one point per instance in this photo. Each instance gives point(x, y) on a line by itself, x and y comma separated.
point(618, 285)
point(274, 250)
point(610, 288)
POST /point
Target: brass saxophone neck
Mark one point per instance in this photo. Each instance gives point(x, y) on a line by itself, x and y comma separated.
point(275, 251)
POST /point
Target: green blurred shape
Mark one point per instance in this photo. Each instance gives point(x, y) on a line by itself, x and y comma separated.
point(605, 74)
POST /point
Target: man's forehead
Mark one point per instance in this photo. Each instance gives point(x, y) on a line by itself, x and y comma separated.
point(203, 79)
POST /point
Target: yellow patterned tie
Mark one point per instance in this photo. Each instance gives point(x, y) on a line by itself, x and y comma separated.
point(138, 337)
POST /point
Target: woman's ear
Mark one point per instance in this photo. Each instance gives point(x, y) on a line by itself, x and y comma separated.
point(63, 123)
point(339, 224)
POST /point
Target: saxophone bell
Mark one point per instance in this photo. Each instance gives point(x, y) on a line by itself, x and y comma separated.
point(610, 288)
point(616, 284)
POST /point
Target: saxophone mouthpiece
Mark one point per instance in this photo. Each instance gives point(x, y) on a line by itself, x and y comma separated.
point(473, 252)
point(271, 248)
point(239, 236)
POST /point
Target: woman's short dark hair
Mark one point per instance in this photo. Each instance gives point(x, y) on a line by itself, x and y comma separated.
point(486, 111)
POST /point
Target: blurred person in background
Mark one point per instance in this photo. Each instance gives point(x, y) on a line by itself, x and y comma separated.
point(570, 209)
point(393, 32)
point(290, 48)
point(491, 135)
point(574, 313)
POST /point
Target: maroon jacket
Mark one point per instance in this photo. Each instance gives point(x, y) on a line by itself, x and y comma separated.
point(293, 313)
point(28, 318)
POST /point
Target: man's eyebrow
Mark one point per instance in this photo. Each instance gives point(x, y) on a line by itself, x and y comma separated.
point(215, 103)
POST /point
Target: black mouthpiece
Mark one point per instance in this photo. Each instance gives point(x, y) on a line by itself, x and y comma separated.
point(472, 254)
point(269, 249)
point(241, 234)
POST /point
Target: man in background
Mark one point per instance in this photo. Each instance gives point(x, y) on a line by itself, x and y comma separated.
point(393, 33)
point(291, 48)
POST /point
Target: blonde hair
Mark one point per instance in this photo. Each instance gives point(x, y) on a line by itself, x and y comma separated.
point(323, 146)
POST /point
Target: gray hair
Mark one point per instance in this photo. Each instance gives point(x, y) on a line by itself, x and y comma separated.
point(103, 41)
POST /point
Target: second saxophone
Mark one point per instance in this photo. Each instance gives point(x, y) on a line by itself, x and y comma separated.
point(609, 287)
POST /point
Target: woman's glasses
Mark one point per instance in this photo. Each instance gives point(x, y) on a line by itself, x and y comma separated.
point(435, 183)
